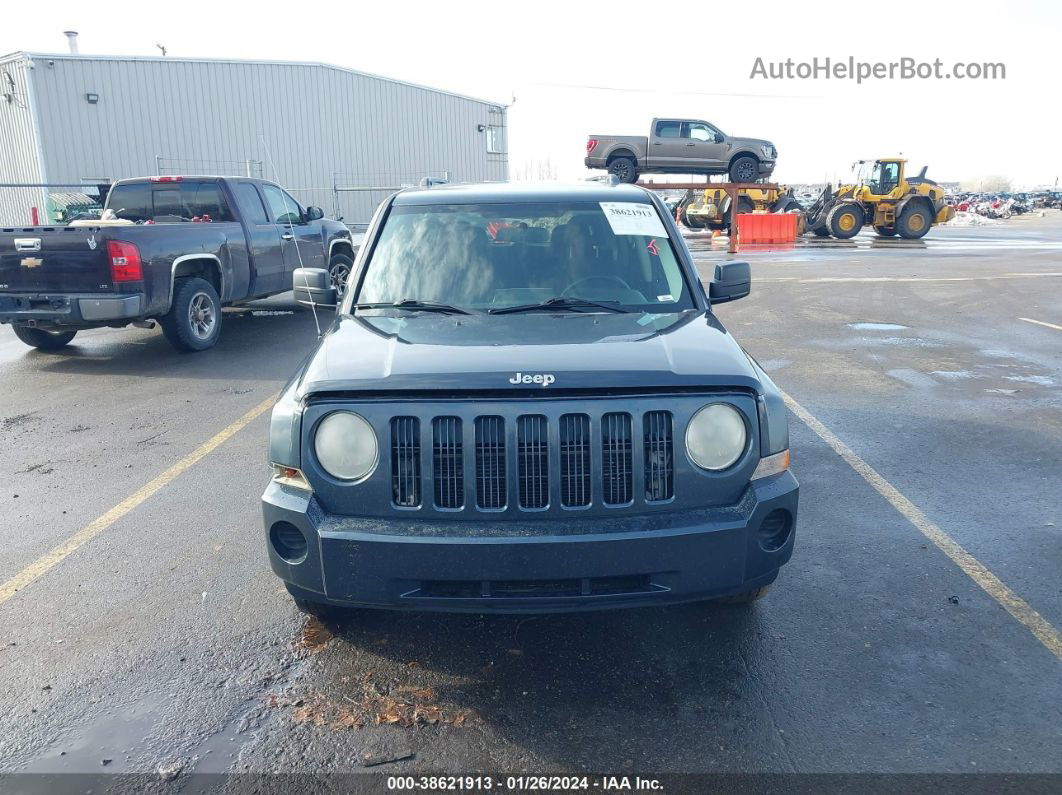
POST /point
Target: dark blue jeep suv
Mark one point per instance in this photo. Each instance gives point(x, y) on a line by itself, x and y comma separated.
point(526, 404)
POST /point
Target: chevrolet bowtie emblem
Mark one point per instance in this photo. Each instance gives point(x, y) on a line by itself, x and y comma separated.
point(32, 262)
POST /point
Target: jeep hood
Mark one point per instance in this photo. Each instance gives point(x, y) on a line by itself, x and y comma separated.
point(460, 353)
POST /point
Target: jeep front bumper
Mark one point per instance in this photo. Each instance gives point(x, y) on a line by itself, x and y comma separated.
point(533, 566)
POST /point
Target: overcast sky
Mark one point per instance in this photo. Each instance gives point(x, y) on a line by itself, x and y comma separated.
point(609, 67)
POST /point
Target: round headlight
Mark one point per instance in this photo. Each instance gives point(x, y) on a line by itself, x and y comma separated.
point(715, 437)
point(346, 446)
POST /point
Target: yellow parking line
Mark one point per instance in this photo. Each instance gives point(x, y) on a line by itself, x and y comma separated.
point(52, 558)
point(973, 568)
point(1041, 323)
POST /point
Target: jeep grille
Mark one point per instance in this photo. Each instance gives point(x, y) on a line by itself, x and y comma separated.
point(513, 459)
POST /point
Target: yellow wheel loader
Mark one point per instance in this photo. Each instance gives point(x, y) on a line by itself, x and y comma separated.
point(709, 209)
point(881, 197)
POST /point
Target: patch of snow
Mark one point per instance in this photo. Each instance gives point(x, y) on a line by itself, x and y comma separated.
point(971, 219)
point(877, 326)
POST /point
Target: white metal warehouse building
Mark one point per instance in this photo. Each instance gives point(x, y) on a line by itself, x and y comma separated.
point(326, 133)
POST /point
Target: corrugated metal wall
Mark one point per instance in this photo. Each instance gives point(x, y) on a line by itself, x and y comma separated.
point(18, 146)
point(305, 122)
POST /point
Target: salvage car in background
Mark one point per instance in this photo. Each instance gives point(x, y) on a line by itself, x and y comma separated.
point(175, 249)
point(681, 146)
point(526, 403)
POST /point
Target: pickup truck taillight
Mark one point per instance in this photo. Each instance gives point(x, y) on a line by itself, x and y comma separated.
point(591, 145)
point(125, 261)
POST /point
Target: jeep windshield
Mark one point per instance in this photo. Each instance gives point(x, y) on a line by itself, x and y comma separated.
point(594, 256)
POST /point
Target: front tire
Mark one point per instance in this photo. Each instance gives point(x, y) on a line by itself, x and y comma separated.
point(744, 169)
point(308, 606)
point(42, 339)
point(845, 221)
point(749, 596)
point(339, 269)
point(914, 222)
point(624, 169)
point(194, 320)
point(745, 597)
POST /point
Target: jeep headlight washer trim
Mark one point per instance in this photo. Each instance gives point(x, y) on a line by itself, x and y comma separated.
point(716, 437)
point(346, 447)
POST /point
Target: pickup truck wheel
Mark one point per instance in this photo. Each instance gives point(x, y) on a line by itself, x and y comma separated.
point(623, 169)
point(339, 268)
point(744, 169)
point(42, 338)
point(194, 320)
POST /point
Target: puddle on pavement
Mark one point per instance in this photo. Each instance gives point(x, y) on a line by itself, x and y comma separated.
point(770, 365)
point(1030, 379)
point(877, 326)
point(912, 378)
point(116, 735)
point(913, 341)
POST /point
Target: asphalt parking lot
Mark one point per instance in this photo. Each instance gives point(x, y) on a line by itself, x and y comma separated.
point(146, 628)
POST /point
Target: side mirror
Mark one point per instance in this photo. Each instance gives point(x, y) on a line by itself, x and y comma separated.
point(314, 213)
point(719, 138)
point(313, 286)
point(733, 280)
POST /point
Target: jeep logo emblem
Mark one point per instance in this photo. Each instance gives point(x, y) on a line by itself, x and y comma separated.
point(539, 378)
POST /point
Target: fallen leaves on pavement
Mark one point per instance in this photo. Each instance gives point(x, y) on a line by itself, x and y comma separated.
point(403, 705)
point(315, 636)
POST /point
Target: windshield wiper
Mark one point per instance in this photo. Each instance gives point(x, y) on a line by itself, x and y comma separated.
point(416, 304)
point(560, 302)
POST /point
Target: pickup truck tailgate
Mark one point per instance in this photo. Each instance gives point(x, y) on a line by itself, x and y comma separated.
point(53, 259)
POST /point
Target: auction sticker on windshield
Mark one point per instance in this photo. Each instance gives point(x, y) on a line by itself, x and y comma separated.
point(627, 218)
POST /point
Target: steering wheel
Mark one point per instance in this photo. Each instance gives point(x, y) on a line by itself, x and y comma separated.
point(599, 279)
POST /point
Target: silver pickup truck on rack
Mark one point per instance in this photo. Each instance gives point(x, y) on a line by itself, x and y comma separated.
point(681, 146)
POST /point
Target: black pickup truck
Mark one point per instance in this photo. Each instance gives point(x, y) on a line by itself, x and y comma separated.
point(171, 249)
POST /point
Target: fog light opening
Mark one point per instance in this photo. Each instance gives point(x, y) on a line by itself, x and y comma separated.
point(775, 529)
point(288, 541)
